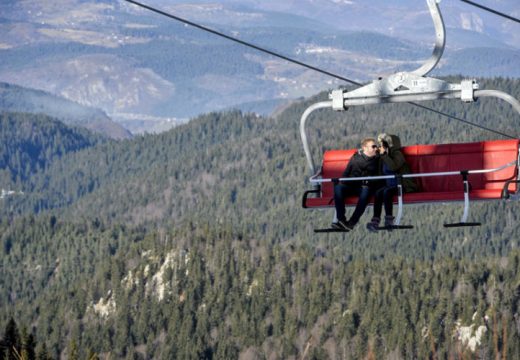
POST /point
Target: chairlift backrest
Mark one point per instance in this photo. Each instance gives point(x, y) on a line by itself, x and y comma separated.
point(463, 156)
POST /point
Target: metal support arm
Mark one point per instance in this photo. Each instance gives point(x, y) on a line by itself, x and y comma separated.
point(440, 39)
point(303, 134)
point(501, 95)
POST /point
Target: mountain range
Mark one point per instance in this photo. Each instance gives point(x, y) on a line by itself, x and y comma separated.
point(149, 73)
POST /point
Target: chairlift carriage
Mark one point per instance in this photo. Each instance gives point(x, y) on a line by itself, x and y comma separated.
point(486, 170)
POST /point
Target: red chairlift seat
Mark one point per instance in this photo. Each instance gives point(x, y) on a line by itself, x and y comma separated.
point(425, 159)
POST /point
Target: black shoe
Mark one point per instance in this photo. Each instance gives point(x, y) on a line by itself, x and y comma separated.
point(343, 225)
point(336, 225)
point(350, 224)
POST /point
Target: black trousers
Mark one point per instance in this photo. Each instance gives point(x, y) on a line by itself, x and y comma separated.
point(384, 195)
point(343, 190)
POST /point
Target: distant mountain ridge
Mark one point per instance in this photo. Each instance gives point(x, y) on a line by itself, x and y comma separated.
point(14, 98)
point(399, 18)
point(128, 61)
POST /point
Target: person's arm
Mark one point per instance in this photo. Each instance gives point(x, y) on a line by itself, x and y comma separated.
point(394, 162)
point(348, 170)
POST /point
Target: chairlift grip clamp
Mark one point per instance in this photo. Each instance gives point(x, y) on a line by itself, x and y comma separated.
point(337, 100)
point(467, 88)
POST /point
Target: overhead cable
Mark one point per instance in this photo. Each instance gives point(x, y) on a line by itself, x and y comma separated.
point(492, 11)
point(248, 44)
point(256, 47)
point(463, 120)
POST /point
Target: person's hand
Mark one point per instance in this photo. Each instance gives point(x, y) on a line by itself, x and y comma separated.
point(384, 147)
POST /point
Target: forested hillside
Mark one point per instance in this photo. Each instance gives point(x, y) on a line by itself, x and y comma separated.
point(248, 168)
point(29, 143)
point(193, 244)
point(215, 292)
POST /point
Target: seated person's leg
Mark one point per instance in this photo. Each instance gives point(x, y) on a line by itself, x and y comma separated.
point(364, 196)
point(389, 193)
point(378, 202)
point(340, 192)
point(389, 197)
point(373, 225)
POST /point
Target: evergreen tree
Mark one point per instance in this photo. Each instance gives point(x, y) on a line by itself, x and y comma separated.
point(73, 351)
point(12, 341)
point(28, 345)
point(43, 353)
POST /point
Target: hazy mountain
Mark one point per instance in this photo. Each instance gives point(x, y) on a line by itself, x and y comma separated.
point(15, 98)
point(400, 18)
point(150, 72)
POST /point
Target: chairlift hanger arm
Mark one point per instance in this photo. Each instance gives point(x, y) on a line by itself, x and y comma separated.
point(405, 86)
point(303, 133)
point(440, 39)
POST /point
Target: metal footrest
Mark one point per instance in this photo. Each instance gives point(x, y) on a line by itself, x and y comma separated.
point(462, 224)
point(395, 227)
point(330, 230)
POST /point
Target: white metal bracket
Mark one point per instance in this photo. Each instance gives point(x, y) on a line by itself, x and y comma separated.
point(405, 87)
point(467, 90)
point(337, 100)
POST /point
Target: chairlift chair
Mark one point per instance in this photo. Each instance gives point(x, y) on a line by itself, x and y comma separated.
point(485, 170)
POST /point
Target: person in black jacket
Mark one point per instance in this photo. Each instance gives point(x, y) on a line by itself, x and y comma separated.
point(363, 163)
point(392, 162)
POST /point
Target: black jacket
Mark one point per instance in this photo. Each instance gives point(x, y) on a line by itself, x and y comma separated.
point(395, 161)
point(361, 165)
